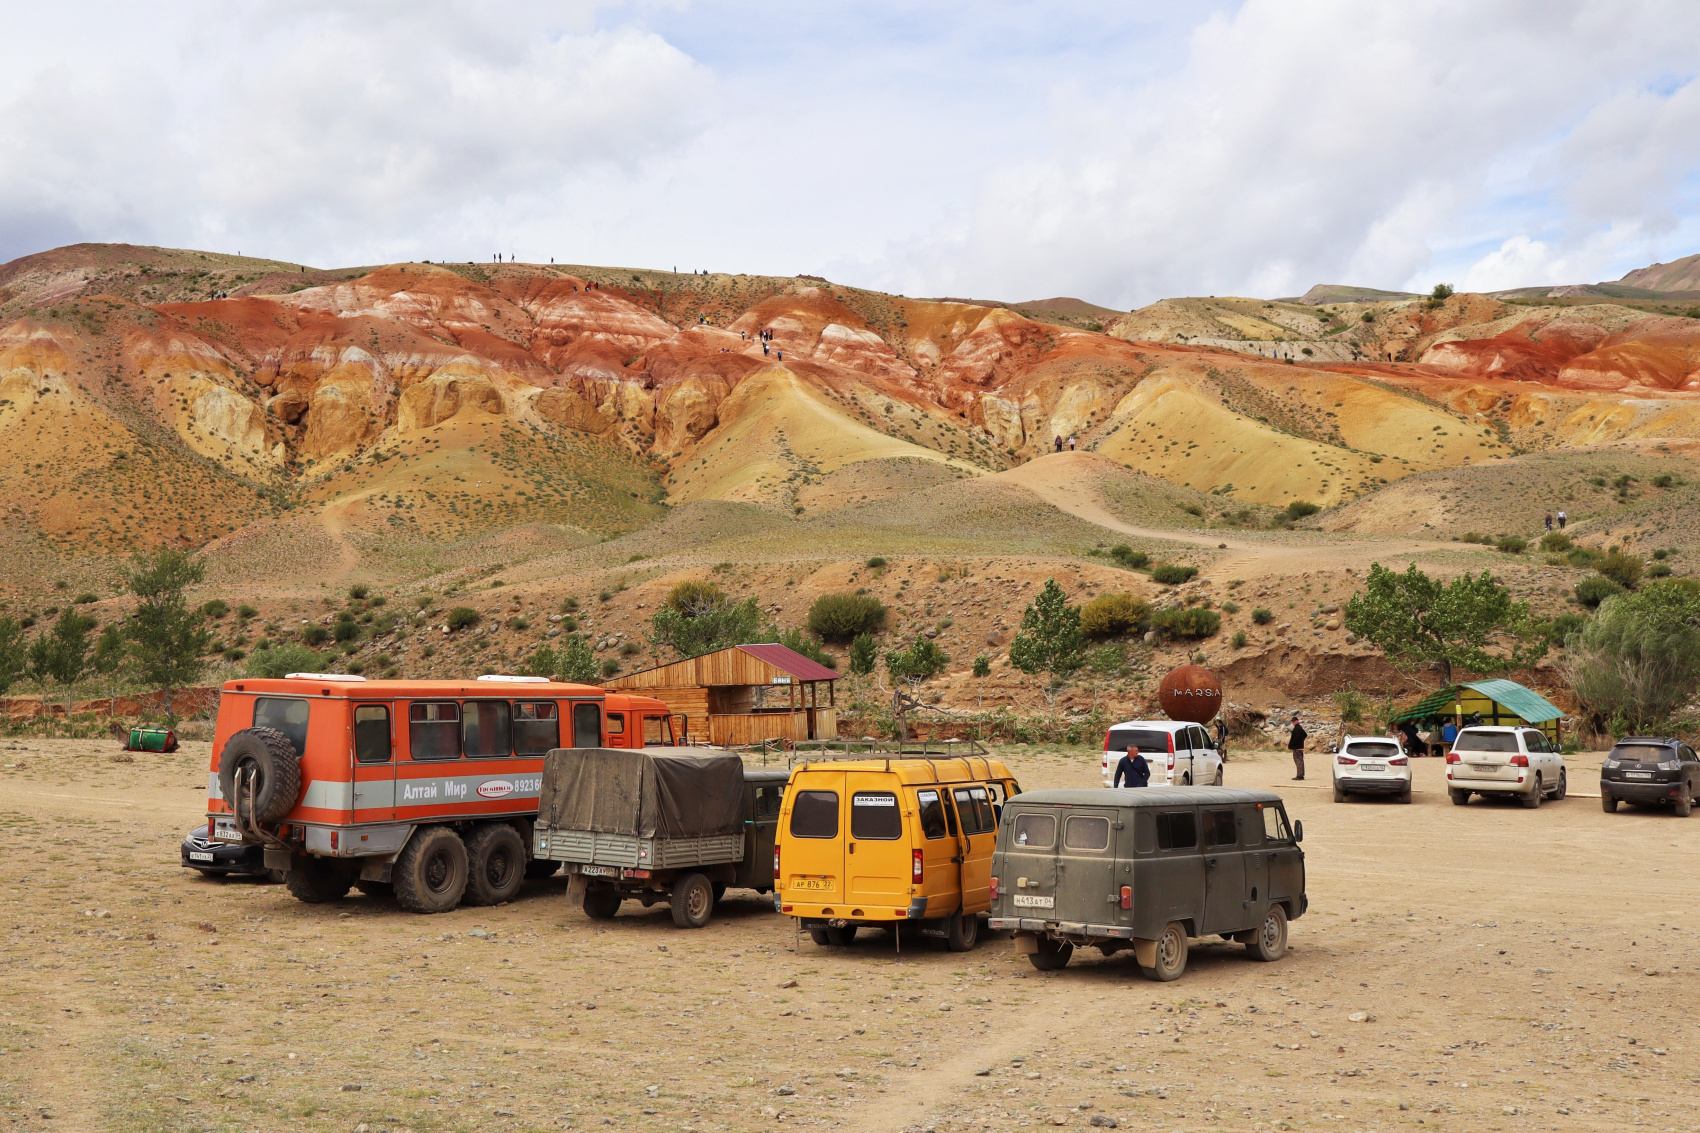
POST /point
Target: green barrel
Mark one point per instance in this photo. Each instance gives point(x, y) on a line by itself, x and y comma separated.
point(151, 737)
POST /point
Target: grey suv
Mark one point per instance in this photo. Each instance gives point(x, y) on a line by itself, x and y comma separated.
point(1653, 771)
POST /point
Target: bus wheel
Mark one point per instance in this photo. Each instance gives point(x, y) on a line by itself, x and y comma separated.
point(495, 864)
point(318, 880)
point(602, 902)
point(537, 869)
point(962, 932)
point(430, 874)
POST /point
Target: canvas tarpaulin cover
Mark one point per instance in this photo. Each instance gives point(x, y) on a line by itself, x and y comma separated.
point(649, 793)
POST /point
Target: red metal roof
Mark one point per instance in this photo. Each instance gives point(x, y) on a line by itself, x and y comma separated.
point(790, 661)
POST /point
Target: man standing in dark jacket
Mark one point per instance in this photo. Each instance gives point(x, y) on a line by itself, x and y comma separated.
point(1296, 745)
point(1133, 768)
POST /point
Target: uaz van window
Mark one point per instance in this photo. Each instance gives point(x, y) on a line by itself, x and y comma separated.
point(1275, 826)
point(814, 814)
point(932, 814)
point(1373, 750)
point(1141, 738)
point(489, 729)
point(286, 716)
point(372, 733)
point(433, 729)
point(1177, 831)
point(1485, 741)
point(1036, 831)
point(537, 727)
point(1086, 832)
point(1219, 828)
point(975, 810)
point(874, 815)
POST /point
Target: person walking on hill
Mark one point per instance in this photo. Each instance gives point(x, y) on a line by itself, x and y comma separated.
point(1059, 444)
point(1549, 521)
point(1071, 444)
point(1561, 519)
point(1296, 745)
point(1133, 768)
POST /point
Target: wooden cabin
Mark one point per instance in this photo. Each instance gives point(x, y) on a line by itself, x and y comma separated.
point(744, 694)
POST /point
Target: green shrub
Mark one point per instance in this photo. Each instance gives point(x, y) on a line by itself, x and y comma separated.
point(84, 599)
point(462, 617)
point(359, 592)
point(1638, 662)
point(1581, 557)
point(876, 563)
point(982, 666)
point(1594, 589)
point(610, 667)
point(1262, 616)
point(216, 608)
point(346, 631)
point(1661, 554)
point(246, 611)
point(843, 617)
point(799, 642)
point(568, 605)
point(1130, 558)
point(1109, 615)
point(693, 598)
point(1664, 480)
point(1563, 627)
point(1512, 544)
point(1171, 574)
point(863, 654)
point(1658, 570)
point(1186, 621)
point(1625, 570)
point(1556, 542)
point(630, 649)
point(1239, 639)
point(282, 659)
point(1230, 607)
point(1299, 509)
point(315, 635)
point(519, 621)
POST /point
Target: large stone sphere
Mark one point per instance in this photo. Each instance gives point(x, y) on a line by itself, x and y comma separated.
point(1190, 693)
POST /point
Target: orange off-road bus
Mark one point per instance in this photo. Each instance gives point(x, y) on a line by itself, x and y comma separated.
point(426, 789)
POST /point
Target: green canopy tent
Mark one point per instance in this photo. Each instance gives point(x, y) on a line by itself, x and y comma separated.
point(1498, 702)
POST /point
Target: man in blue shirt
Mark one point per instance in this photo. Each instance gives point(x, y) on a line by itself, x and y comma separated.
point(1133, 768)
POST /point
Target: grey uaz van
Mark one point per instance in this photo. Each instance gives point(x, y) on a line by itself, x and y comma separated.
point(1146, 869)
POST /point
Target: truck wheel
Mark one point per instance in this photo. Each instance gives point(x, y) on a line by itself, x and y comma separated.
point(1534, 799)
point(1269, 942)
point(1459, 798)
point(820, 937)
point(962, 932)
point(495, 858)
point(693, 901)
point(430, 874)
point(602, 902)
point(1171, 954)
point(537, 869)
point(375, 888)
point(317, 880)
point(277, 771)
point(842, 937)
point(1052, 954)
point(1607, 803)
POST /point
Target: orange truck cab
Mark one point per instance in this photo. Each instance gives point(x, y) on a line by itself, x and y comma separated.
point(424, 788)
point(890, 843)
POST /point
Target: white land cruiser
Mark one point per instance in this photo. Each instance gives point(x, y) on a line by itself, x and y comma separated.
point(1371, 765)
point(1505, 761)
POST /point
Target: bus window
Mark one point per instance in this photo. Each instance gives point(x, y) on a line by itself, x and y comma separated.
point(587, 724)
point(433, 729)
point(372, 733)
point(537, 727)
point(488, 729)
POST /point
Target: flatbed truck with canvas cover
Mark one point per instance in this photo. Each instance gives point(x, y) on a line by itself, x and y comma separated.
point(427, 789)
point(680, 825)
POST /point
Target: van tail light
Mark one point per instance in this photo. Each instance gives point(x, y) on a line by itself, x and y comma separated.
point(1398, 761)
point(1346, 759)
point(1171, 736)
point(994, 889)
point(915, 865)
point(334, 840)
point(776, 863)
point(1452, 757)
point(1519, 761)
point(1127, 896)
point(1171, 761)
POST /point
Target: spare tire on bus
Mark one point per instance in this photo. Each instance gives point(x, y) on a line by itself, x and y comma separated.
point(277, 771)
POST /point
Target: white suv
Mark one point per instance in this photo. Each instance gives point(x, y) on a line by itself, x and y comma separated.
point(1505, 761)
point(1180, 755)
point(1371, 765)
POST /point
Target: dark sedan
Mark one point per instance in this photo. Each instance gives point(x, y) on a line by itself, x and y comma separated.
point(221, 859)
point(1652, 771)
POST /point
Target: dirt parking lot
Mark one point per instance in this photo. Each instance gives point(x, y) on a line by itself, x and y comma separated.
point(1509, 969)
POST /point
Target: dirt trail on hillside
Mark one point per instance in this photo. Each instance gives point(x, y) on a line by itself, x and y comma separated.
point(1069, 481)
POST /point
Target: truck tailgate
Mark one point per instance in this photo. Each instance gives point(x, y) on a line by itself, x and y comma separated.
point(627, 852)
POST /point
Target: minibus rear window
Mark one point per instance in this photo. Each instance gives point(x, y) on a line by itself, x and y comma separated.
point(874, 815)
point(1036, 831)
point(815, 815)
point(1141, 739)
point(286, 716)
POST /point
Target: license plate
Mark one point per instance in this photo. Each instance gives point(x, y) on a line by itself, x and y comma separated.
point(1483, 767)
point(225, 831)
point(1638, 774)
point(1033, 901)
point(1375, 767)
point(817, 884)
point(599, 871)
point(197, 856)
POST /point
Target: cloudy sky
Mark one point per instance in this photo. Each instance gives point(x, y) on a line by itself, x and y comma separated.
point(1117, 151)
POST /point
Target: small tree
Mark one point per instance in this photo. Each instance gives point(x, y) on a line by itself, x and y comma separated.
point(799, 642)
point(1638, 661)
point(14, 653)
point(1050, 640)
point(982, 670)
point(1105, 663)
point(167, 639)
point(692, 628)
point(863, 654)
point(1416, 620)
point(575, 661)
point(281, 660)
point(61, 656)
point(542, 662)
point(913, 666)
point(108, 663)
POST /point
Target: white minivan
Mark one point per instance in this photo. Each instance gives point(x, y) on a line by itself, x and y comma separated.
point(1180, 754)
point(1505, 761)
